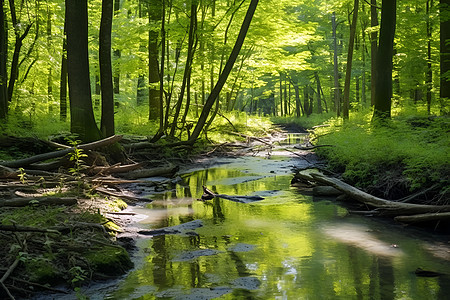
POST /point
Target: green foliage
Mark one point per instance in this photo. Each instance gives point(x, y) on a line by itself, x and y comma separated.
point(418, 146)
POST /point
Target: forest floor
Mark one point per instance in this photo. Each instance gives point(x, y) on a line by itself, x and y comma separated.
point(48, 245)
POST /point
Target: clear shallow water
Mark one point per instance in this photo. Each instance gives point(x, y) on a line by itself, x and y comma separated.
point(288, 246)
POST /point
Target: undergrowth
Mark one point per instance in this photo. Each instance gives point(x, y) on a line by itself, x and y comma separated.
point(410, 153)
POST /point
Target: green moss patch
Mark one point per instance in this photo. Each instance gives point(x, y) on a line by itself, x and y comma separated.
point(110, 260)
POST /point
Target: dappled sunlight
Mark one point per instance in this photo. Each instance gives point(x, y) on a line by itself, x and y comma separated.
point(360, 236)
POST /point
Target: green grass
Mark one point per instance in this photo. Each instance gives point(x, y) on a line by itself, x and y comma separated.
point(414, 147)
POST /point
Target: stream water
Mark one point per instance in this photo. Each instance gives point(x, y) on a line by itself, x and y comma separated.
point(287, 246)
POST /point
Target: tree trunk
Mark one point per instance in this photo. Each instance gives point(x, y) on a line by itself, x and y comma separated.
point(226, 71)
point(106, 80)
point(383, 91)
point(17, 47)
point(63, 80)
point(154, 16)
point(373, 50)
point(348, 73)
point(50, 69)
point(188, 67)
point(319, 88)
point(81, 112)
point(116, 54)
point(429, 74)
point(281, 94)
point(445, 54)
point(337, 96)
point(3, 64)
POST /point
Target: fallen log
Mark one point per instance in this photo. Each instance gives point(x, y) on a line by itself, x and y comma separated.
point(19, 202)
point(55, 154)
point(383, 206)
point(208, 195)
point(16, 228)
point(114, 169)
point(423, 217)
point(122, 195)
point(154, 172)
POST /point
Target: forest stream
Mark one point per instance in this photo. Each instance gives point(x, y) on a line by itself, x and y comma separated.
point(290, 245)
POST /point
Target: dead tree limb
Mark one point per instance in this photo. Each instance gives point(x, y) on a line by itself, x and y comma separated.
point(50, 155)
point(15, 228)
point(383, 206)
point(19, 202)
point(423, 217)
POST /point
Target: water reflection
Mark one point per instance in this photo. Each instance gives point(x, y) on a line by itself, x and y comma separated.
point(284, 247)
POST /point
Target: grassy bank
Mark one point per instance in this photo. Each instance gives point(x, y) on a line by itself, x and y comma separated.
point(410, 154)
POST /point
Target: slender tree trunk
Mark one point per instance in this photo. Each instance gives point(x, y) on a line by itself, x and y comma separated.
point(154, 16)
point(285, 98)
point(161, 73)
point(63, 80)
point(226, 71)
point(81, 112)
point(363, 58)
point(337, 96)
point(50, 68)
point(373, 50)
point(117, 54)
point(429, 75)
point(188, 67)
point(383, 91)
point(319, 88)
point(17, 47)
point(106, 79)
point(281, 94)
point(445, 54)
point(3, 64)
point(348, 73)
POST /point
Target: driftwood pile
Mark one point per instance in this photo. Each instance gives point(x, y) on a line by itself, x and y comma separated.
point(400, 211)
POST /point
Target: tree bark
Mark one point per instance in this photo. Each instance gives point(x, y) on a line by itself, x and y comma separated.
point(17, 47)
point(337, 96)
point(383, 89)
point(373, 50)
point(63, 80)
point(154, 16)
point(226, 71)
point(348, 73)
point(3, 64)
point(429, 74)
point(106, 79)
point(445, 54)
point(50, 67)
point(188, 66)
point(81, 112)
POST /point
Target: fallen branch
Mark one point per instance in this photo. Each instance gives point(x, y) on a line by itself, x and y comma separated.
point(113, 169)
point(312, 147)
point(154, 172)
point(59, 153)
point(208, 195)
point(122, 195)
point(19, 202)
point(423, 217)
point(15, 228)
point(383, 206)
